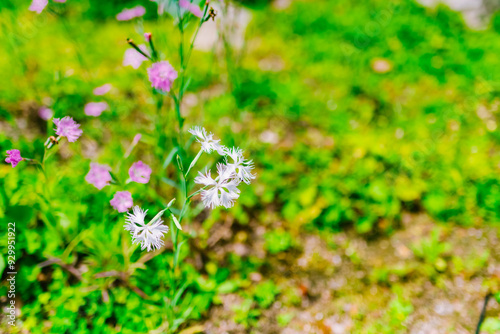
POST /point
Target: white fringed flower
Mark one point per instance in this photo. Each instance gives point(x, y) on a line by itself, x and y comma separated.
point(206, 139)
point(241, 167)
point(148, 235)
point(223, 189)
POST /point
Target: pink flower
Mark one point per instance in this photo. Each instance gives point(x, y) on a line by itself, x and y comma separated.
point(101, 90)
point(140, 172)
point(194, 9)
point(38, 5)
point(13, 157)
point(68, 128)
point(45, 113)
point(95, 108)
point(98, 175)
point(134, 58)
point(147, 36)
point(162, 75)
point(129, 14)
point(122, 201)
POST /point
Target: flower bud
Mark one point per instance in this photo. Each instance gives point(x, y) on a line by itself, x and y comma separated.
point(179, 163)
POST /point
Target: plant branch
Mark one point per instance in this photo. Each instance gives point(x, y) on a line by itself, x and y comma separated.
point(483, 313)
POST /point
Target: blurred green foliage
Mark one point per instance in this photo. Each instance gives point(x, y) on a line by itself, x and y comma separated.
point(491, 325)
point(278, 241)
point(369, 145)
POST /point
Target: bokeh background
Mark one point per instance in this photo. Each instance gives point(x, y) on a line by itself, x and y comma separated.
point(373, 126)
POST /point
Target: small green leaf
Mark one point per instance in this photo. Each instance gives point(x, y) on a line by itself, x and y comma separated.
point(170, 157)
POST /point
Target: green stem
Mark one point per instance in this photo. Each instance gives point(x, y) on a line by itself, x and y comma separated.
point(177, 103)
point(153, 49)
point(181, 43)
point(132, 44)
point(159, 123)
point(196, 192)
point(190, 50)
point(184, 59)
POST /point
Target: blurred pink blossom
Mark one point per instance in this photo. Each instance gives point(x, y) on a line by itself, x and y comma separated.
point(13, 157)
point(194, 9)
point(68, 128)
point(98, 175)
point(140, 172)
point(162, 75)
point(45, 113)
point(38, 5)
point(129, 14)
point(122, 201)
point(134, 58)
point(101, 90)
point(161, 6)
point(95, 108)
point(136, 139)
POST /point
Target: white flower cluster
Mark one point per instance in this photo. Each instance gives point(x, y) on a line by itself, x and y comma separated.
point(222, 191)
point(148, 235)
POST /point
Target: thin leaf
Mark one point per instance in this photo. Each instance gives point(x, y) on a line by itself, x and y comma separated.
point(170, 182)
point(177, 251)
point(179, 293)
point(186, 85)
point(174, 211)
point(170, 157)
